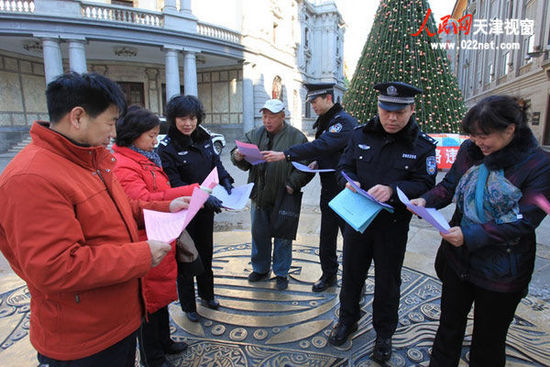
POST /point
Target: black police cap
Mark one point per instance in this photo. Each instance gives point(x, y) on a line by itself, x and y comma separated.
point(395, 96)
point(318, 89)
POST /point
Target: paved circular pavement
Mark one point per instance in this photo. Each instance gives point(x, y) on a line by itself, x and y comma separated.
point(257, 325)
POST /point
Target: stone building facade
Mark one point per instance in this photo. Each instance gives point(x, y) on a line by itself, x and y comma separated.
point(157, 49)
point(506, 52)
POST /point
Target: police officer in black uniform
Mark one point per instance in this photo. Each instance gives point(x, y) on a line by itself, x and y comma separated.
point(389, 151)
point(334, 127)
point(188, 157)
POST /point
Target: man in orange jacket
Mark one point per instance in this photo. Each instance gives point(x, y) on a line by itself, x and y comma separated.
point(68, 229)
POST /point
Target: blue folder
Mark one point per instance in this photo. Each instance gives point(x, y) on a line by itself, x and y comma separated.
point(357, 210)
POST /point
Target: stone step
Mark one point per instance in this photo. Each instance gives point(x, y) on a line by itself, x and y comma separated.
point(17, 147)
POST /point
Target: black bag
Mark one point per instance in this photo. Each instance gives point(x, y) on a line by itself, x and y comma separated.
point(286, 214)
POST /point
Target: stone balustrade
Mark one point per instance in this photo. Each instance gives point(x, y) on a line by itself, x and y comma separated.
point(114, 13)
point(19, 6)
point(213, 31)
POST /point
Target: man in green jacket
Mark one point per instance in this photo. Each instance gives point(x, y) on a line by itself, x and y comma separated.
point(269, 178)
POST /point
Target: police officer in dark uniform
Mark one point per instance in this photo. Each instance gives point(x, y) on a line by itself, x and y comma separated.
point(334, 127)
point(389, 151)
point(188, 157)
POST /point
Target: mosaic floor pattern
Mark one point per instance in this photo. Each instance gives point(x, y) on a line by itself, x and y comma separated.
point(257, 325)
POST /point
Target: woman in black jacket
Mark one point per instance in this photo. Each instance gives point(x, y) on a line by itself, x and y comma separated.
point(488, 255)
point(188, 156)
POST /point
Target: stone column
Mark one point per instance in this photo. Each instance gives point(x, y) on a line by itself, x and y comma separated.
point(172, 73)
point(190, 73)
point(185, 6)
point(331, 34)
point(182, 21)
point(77, 56)
point(170, 5)
point(248, 97)
point(325, 42)
point(53, 62)
point(152, 79)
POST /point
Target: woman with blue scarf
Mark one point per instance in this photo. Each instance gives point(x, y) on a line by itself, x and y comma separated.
point(139, 170)
point(487, 257)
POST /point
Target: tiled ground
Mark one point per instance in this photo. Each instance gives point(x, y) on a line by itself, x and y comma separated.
point(260, 326)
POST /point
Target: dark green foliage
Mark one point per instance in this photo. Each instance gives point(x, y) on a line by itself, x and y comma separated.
point(392, 53)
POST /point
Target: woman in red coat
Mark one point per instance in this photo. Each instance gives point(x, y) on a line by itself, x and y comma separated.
point(139, 170)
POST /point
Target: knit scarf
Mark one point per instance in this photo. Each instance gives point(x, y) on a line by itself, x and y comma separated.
point(484, 195)
point(152, 155)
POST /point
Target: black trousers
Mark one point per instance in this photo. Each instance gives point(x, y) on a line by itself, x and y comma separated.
point(387, 248)
point(493, 313)
point(155, 335)
point(121, 354)
point(201, 230)
point(330, 223)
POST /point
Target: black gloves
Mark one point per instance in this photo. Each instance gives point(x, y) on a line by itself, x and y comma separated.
point(214, 204)
point(226, 183)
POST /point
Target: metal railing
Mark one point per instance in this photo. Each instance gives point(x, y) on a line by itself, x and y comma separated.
point(19, 6)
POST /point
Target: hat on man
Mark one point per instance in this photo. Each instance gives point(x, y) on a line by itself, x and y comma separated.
point(318, 89)
point(395, 96)
point(273, 105)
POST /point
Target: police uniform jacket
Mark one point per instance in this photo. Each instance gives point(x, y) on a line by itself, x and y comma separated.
point(405, 160)
point(189, 159)
point(333, 131)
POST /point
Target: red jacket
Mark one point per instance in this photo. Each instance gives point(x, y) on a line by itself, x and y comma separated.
point(144, 180)
point(68, 229)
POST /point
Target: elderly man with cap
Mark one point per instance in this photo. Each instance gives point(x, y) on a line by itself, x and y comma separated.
point(334, 127)
point(268, 179)
point(389, 151)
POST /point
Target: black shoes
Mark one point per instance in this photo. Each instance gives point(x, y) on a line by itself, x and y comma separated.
point(341, 332)
point(176, 347)
point(282, 283)
point(212, 304)
point(256, 277)
point(193, 316)
point(382, 349)
point(323, 283)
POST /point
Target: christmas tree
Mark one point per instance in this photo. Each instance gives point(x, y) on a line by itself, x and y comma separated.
point(399, 49)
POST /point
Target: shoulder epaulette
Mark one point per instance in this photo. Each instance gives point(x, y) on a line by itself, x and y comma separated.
point(359, 127)
point(165, 141)
point(428, 138)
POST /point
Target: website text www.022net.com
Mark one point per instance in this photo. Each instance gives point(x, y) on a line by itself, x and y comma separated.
point(475, 45)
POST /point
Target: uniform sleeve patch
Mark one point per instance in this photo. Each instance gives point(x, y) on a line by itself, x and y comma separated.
point(431, 165)
point(336, 128)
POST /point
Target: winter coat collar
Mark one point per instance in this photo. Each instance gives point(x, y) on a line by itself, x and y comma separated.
point(92, 158)
point(132, 154)
point(523, 145)
point(324, 119)
point(182, 141)
point(408, 134)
